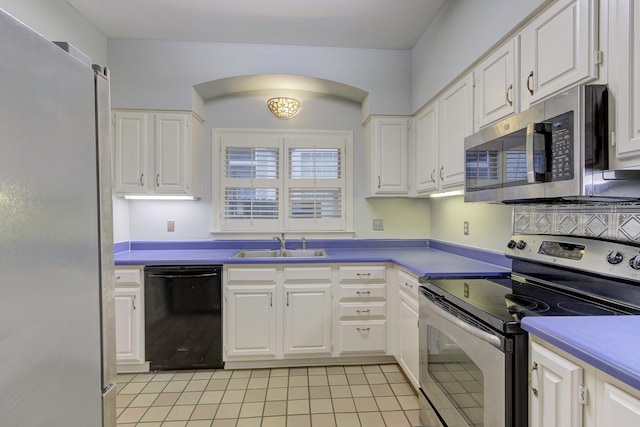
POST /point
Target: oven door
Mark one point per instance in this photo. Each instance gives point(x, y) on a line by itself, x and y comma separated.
point(462, 369)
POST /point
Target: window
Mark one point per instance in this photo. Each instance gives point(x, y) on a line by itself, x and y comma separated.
point(272, 181)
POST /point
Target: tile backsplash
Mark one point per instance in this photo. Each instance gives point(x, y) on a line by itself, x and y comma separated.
point(615, 221)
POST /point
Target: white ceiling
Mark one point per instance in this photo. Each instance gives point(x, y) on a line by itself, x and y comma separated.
point(378, 24)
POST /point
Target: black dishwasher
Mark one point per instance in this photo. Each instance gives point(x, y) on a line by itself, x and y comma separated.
point(183, 316)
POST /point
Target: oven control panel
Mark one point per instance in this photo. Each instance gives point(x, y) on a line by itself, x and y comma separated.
point(615, 259)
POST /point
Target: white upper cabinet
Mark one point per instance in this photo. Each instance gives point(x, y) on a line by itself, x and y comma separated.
point(426, 149)
point(624, 69)
point(496, 91)
point(455, 123)
point(559, 49)
point(387, 143)
point(157, 153)
point(130, 138)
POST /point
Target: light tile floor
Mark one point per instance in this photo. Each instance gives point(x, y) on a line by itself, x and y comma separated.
point(333, 396)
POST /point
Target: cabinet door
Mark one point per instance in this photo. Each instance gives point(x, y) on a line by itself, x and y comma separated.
point(624, 60)
point(251, 320)
point(388, 144)
point(554, 390)
point(617, 407)
point(455, 123)
point(307, 319)
point(558, 49)
point(409, 337)
point(426, 159)
point(494, 86)
point(128, 325)
point(130, 140)
point(171, 144)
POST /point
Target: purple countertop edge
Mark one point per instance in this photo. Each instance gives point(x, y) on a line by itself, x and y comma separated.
point(609, 343)
point(419, 256)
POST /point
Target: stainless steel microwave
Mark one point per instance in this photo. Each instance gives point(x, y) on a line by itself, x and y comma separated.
point(556, 150)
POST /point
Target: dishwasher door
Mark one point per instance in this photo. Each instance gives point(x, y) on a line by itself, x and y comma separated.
point(183, 317)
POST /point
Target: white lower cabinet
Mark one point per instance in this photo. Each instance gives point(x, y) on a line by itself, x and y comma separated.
point(617, 404)
point(279, 314)
point(307, 319)
point(407, 327)
point(555, 389)
point(129, 315)
point(363, 321)
point(251, 320)
point(565, 391)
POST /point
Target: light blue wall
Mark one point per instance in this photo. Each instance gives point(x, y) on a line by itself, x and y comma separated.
point(161, 74)
point(58, 21)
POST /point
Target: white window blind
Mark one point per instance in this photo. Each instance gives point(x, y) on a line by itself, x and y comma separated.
point(315, 184)
point(288, 182)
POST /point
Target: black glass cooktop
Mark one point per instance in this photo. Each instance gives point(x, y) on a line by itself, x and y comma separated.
point(502, 301)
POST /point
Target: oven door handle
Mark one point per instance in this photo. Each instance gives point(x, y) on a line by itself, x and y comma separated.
point(484, 336)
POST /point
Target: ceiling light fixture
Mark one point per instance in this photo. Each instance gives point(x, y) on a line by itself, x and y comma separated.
point(283, 108)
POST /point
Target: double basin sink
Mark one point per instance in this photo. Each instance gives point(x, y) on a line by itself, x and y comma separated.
point(281, 253)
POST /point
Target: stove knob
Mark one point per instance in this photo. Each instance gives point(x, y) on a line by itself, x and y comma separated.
point(615, 257)
point(635, 262)
point(511, 244)
point(521, 244)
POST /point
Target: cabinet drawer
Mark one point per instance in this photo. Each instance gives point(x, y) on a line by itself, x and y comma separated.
point(251, 275)
point(363, 273)
point(128, 276)
point(361, 292)
point(363, 336)
point(362, 311)
point(307, 274)
point(408, 283)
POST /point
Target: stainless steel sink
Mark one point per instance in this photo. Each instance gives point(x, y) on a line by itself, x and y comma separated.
point(280, 253)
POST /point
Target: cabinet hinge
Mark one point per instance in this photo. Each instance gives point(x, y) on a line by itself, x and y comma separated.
point(332, 346)
point(583, 394)
point(613, 138)
point(598, 57)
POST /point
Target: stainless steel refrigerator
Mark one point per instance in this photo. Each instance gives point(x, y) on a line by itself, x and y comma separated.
point(57, 339)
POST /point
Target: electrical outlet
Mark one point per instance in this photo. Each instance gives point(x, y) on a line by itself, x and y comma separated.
point(378, 224)
point(466, 228)
point(171, 225)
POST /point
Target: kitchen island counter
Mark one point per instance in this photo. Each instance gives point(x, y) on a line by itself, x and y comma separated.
point(421, 257)
point(609, 343)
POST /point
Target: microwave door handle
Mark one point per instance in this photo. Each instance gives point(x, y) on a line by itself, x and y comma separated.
point(535, 130)
point(529, 149)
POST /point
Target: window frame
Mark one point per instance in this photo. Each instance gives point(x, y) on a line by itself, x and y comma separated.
point(284, 139)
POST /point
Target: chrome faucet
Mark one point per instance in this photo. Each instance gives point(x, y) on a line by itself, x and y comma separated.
point(304, 243)
point(283, 242)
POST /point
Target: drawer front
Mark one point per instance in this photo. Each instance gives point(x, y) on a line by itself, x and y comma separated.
point(307, 274)
point(363, 336)
point(362, 311)
point(409, 284)
point(127, 276)
point(252, 275)
point(368, 292)
point(363, 273)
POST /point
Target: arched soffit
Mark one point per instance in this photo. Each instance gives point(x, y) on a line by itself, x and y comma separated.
point(259, 82)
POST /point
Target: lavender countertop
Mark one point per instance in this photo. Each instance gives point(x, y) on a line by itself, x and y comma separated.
point(418, 256)
point(610, 343)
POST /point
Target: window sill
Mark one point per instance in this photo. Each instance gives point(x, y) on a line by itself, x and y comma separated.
point(241, 235)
